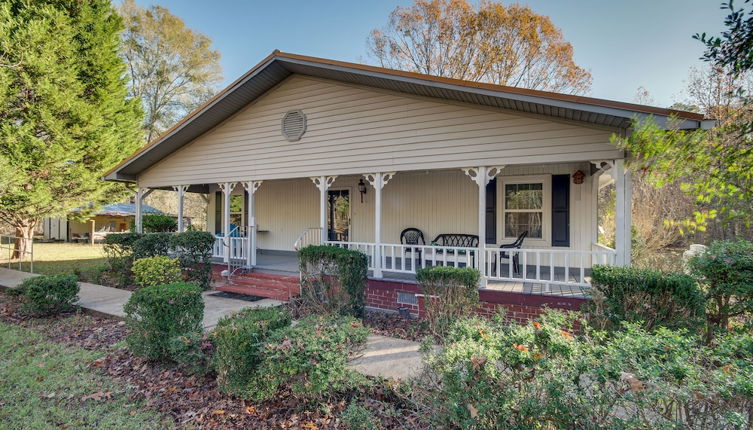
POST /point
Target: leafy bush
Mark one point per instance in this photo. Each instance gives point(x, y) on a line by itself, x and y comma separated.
point(449, 293)
point(333, 279)
point(149, 245)
point(156, 223)
point(194, 250)
point(46, 295)
point(357, 417)
point(118, 249)
point(238, 339)
point(310, 358)
point(725, 271)
point(541, 376)
point(671, 300)
point(157, 270)
point(158, 314)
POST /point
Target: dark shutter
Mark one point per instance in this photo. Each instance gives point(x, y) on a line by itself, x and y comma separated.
point(560, 210)
point(218, 212)
point(491, 212)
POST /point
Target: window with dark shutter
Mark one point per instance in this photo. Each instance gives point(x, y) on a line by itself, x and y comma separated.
point(218, 212)
point(491, 212)
point(560, 210)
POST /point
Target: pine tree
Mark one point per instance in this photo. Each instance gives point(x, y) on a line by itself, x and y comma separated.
point(65, 118)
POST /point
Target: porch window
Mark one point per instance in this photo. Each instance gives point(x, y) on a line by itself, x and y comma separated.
point(236, 211)
point(524, 209)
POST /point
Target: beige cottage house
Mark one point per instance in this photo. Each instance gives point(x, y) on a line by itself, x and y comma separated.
point(303, 150)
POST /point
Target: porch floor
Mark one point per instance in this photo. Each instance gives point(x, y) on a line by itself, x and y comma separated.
point(287, 264)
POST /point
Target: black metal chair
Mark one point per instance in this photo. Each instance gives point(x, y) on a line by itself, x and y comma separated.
point(412, 236)
point(515, 255)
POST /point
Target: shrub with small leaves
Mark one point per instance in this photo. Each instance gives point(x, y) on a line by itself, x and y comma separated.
point(157, 270)
point(47, 295)
point(158, 314)
point(449, 293)
point(158, 223)
point(151, 244)
point(357, 417)
point(194, 250)
point(654, 299)
point(309, 358)
point(238, 339)
point(725, 271)
point(333, 279)
point(118, 249)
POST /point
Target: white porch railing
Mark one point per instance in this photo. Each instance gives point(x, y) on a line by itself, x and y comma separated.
point(236, 244)
point(310, 236)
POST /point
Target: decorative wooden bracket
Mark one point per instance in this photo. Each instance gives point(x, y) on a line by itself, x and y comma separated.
point(323, 186)
point(482, 175)
point(252, 186)
point(379, 179)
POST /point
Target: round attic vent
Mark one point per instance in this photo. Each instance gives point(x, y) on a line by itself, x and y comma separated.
point(293, 125)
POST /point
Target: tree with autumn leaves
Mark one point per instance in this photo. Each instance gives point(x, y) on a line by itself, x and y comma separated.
point(490, 42)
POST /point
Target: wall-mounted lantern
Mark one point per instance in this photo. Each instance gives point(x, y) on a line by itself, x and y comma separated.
point(578, 177)
point(361, 188)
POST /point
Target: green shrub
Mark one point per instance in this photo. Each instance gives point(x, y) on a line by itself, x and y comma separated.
point(158, 314)
point(237, 340)
point(652, 298)
point(333, 279)
point(118, 249)
point(357, 417)
point(157, 223)
point(309, 358)
point(489, 375)
point(449, 293)
point(725, 271)
point(46, 295)
point(194, 250)
point(157, 270)
point(149, 245)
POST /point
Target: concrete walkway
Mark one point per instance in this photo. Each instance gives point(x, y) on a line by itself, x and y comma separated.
point(110, 301)
point(383, 356)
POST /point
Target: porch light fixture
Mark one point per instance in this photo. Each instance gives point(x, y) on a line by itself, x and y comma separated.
point(361, 188)
point(578, 177)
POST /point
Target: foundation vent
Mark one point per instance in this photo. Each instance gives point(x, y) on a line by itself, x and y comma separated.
point(293, 125)
point(406, 298)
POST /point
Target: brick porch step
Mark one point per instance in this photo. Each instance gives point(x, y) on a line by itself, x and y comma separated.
point(270, 285)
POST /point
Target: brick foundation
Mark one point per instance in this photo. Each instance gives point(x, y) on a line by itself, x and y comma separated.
point(519, 307)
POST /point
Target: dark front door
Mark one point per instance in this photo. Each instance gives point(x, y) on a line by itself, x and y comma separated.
point(338, 215)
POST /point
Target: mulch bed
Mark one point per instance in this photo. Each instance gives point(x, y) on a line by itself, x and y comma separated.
point(193, 401)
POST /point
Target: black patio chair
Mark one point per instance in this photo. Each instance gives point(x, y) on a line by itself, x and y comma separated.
point(412, 236)
point(515, 255)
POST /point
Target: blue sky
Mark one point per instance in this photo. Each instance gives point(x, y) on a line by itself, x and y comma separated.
point(625, 44)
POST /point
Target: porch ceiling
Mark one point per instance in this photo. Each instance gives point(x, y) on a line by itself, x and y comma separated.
point(279, 66)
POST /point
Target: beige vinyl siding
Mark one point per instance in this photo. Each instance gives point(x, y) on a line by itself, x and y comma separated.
point(433, 201)
point(353, 130)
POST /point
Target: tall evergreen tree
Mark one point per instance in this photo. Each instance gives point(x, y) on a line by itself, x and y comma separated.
point(65, 118)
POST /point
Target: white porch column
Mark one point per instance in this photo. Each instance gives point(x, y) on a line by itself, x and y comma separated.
point(323, 183)
point(378, 181)
point(481, 176)
point(141, 194)
point(623, 205)
point(251, 187)
point(227, 189)
point(181, 189)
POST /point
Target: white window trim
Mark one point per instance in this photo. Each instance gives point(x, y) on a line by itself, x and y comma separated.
point(546, 222)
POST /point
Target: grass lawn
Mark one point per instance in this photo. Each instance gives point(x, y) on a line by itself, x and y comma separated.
point(60, 257)
point(48, 385)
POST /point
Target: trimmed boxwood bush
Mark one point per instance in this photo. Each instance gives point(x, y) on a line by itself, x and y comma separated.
point(158, 314)
point(333, 279)
point(157, 270)
point(449, 293)
point(309, 358)
point(652, 298)
point(237, 341)
point(725, 270)
point(151, 244)
point(46, 295)
point(194, 250)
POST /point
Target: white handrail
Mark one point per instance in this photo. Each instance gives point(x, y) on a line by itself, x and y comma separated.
point(309, 236)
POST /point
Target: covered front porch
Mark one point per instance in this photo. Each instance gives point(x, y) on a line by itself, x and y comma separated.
point(260, 225)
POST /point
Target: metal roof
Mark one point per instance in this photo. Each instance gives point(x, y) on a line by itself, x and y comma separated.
point(124, 209)
point(279, 66)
